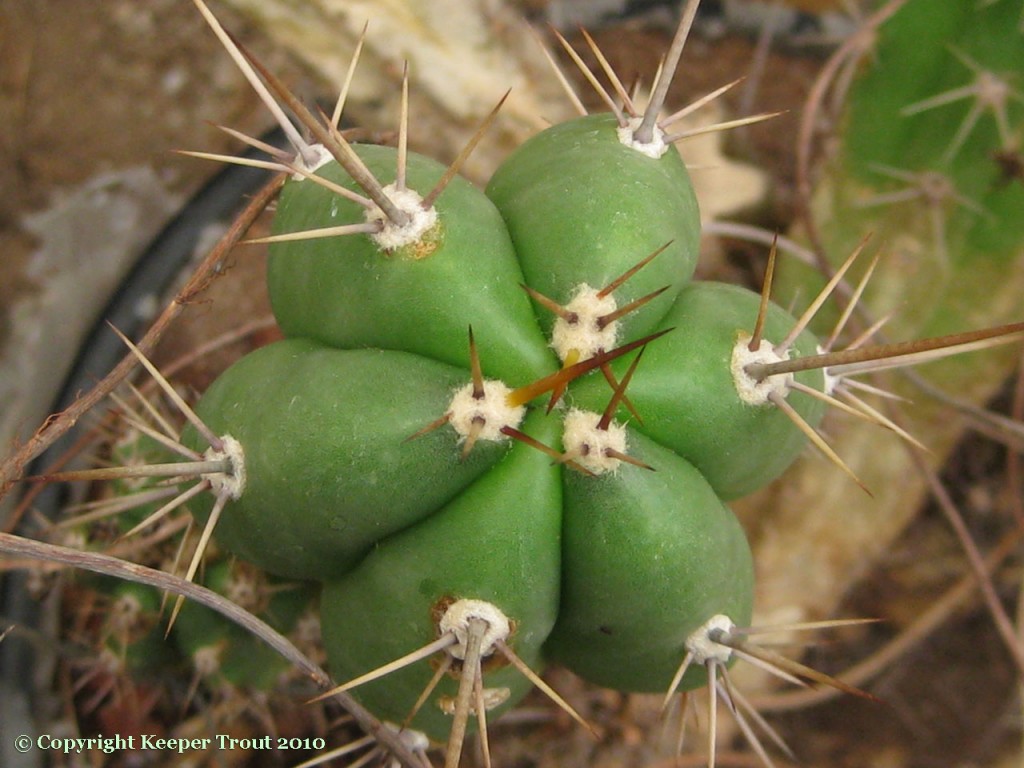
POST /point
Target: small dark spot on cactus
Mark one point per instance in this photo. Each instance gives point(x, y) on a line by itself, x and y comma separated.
point(1011, 166)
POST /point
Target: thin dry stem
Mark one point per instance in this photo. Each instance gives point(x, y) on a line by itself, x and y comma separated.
point(940, 611)
point(112, 566)
point(1004, 626)
point(811, 118)
point(59, 424)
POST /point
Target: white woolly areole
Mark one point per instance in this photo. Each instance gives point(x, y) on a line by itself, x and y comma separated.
point(581, 331)
point(415, 741)
point(206, 660)
point(750, 390)
point(315, 157)
point(456, 620)
point(831, 380)
point(703, 648)
point(491, 411)
point(654, 149)
point(232, 483)
point(588, 445)
point(421, 219)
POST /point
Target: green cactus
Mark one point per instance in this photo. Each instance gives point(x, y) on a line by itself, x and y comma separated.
point(931, 124)
point(926, 168)
point(222, 652)
point(374, 465)
point(504, 423)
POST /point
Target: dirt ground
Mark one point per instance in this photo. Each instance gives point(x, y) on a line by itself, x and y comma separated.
point(95, 98)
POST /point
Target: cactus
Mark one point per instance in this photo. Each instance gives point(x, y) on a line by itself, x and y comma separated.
point(920, 163)
point(223, 653)
point(602, 228)
point(504, 423)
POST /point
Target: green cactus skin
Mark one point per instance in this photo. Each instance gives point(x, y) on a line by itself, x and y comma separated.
point(684, 391)
point(398, 529)
point(143, 644)
point(950, 263)
point(582, 207)
point(929, 48)
point(647, 558)
point(345, 292)
point(947, 266)
point(245, 661)
point(498, 541)
point(329, 470)
point(333, 480)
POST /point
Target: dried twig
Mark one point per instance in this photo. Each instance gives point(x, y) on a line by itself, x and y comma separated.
point(59, 424)
point(811, 116)
point(906, 641)
point(121, 569)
